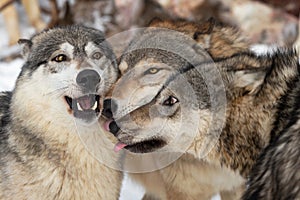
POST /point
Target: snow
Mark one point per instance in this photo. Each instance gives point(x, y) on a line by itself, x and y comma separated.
point(8, 74)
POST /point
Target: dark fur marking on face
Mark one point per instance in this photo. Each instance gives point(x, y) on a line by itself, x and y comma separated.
point(174, 114)
point(52, 70)
point(146, 146)
point(78, 36)
point(190, 66)
point(42, 63)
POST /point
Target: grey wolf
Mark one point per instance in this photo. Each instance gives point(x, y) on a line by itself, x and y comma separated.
point(52, 111)
point(160, 115)
point(276, 174)
point(189, 171)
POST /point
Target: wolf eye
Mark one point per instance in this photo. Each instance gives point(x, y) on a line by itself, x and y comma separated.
point(170, 101)
point(60, 58)
point(97, 55)
point(152, 70)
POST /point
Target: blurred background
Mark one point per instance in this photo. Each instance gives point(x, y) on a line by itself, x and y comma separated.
point(264, 22)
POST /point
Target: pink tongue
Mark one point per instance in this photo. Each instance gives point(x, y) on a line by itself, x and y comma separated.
point(119, 146)
point(85, 102)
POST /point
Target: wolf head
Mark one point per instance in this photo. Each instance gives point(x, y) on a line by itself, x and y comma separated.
point(216, 39)
point(171, 91)
point(66, 74)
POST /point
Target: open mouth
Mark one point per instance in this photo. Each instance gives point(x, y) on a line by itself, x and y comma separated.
point(145, 146)
point(85, 107)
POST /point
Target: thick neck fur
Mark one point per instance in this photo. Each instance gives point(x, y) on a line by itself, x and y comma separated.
point(281, 86)
point(50, 157)
point(252, 118)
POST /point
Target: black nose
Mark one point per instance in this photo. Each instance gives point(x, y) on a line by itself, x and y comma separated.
point(88, 79)
point(109, 107)
point(113, 128)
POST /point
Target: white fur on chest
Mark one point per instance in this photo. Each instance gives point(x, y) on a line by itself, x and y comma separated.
point(197, 177)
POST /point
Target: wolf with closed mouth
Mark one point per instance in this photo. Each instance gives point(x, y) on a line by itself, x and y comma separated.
point(276, 175)
point(148, 105)
point(56, 104)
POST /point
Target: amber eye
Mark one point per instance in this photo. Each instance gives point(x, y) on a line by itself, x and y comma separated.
point(97, 55)
point(60, 58)
point(170, 101)
point(152, 70)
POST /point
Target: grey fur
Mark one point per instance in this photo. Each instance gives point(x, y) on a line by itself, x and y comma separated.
point(41, 154)
point(276, 175)
point(256, 87)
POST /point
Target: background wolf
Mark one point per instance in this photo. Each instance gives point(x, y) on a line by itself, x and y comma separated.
point(58, 96)
point(253, 93)
point(276, 174)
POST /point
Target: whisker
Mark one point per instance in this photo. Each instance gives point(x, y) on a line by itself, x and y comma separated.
point(57, 91)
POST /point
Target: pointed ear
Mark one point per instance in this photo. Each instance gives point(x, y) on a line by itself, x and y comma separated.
point(249, 81)
point(26, 47)
point(205, 28)
point(204, 33)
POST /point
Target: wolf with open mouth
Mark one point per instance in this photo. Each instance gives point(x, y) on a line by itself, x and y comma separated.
point(58, 95)
point(165, 103)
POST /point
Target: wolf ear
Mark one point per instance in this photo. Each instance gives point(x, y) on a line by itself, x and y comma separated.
point(26, 47)
point(204, 31)
point(206, 28)
point(249, 81)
